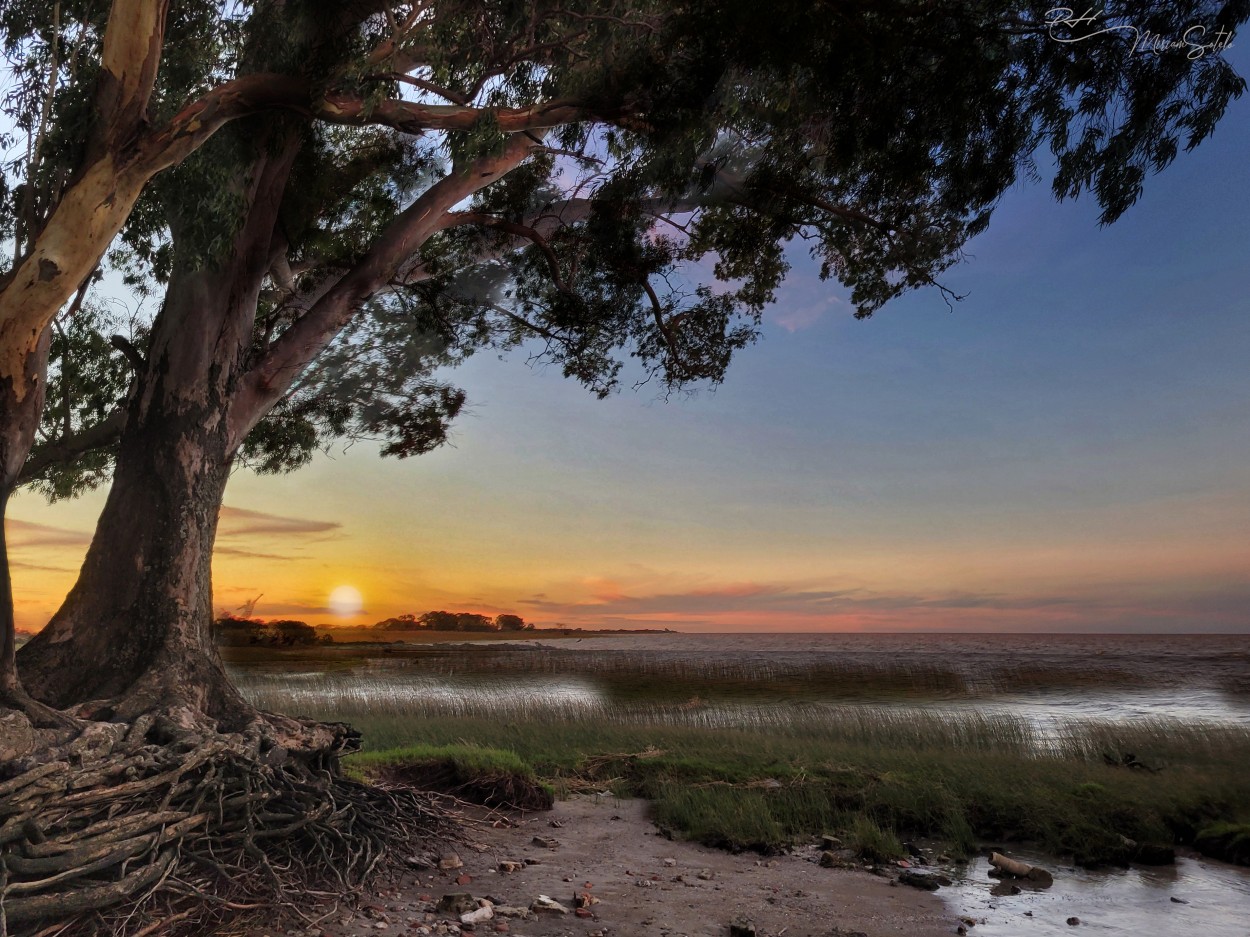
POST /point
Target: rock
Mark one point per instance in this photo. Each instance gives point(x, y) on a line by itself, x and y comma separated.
point(670, 863)
point(1176, 900)
point(1154, 854)
point(457, 902)
point(1005, 888)
point(828, 859)
point(705, 874)
point(463, 879)
point(480, 916)
point(584, 912)
point(918, 880)
point(962, 930)
point(1040, 877)
point(546, 842)
point(742, 928)
point(943, 880)
point(509, 866)
point(503, 910)
point(830, 842)
point(1073, 921)
point(549, 905)
point(450, 861)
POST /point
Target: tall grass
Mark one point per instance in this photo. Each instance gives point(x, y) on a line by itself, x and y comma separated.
point(761, 771)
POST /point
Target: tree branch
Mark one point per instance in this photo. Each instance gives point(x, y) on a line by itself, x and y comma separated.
point(69, 448)
point(296, 348)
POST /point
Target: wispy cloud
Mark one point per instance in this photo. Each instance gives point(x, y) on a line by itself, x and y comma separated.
point(806, 606)
point(29, 534)
point(237, 522)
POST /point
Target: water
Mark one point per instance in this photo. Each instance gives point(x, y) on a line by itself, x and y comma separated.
point(1049, 682)
point(1049, 687)
point(1135, 902)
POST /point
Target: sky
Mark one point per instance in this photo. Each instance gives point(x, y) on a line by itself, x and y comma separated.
point(1068, 449)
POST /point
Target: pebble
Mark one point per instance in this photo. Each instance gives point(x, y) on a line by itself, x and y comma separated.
point(1073, 921)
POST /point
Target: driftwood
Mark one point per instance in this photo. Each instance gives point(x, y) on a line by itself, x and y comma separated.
point(1017, 869)
point(126, 830)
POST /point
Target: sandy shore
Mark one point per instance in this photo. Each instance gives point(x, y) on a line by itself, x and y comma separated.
point(645, 885)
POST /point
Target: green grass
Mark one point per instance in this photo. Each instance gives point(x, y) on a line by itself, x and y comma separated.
point(781, 774)
point(466, 760)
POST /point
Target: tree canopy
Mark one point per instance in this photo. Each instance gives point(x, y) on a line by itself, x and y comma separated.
point(667, 154)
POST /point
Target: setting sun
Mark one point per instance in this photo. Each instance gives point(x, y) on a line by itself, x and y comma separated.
point(346, 600)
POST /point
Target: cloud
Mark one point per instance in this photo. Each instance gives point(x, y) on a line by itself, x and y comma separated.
point(800, 606)
point(802, 315)
point(249, 554)
point(238, 522)
point(29, 534)
point(18, 564)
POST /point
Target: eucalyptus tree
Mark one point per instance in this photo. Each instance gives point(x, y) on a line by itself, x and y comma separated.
point(98, 125)
point(554, 172)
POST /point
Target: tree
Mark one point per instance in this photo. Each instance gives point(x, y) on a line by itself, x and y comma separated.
point(99, 126)
point(509, 623)
point(672, 144)
point(560, 169)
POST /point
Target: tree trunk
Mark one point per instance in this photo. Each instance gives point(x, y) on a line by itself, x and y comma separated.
point(134, 632)
point(19, 419)
point(134, 629)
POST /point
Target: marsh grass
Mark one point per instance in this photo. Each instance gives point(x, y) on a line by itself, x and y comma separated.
point(757, 768)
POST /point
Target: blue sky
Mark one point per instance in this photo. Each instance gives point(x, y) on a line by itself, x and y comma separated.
point(1067, 449)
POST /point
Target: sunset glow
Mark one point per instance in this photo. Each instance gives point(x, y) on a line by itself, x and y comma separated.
point(1068, 449)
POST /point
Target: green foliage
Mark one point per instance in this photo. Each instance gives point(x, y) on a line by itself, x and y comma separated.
point(233, 631)
point(709, 137)
point(467, 759)
point(88, 381)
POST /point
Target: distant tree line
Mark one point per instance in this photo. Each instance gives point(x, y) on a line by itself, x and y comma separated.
point(454, 621)
point(236, 631)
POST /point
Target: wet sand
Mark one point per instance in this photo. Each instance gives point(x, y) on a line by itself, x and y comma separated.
point(645, 884)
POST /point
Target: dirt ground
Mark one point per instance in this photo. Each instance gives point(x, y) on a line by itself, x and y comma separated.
point(643, 884)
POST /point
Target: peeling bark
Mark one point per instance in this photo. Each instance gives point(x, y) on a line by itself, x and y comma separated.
point(134, 635)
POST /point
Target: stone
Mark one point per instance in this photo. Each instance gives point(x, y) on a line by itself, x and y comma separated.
point(705, 874)
point(546, 842)
point(670, 863)
point(509, 866)
point(918, 880)
point(1073, 921)
point(543, 903)
point(480, 916)
point(1040, 877)
point(503, 910)
point(1176, 900)
point(449, 862)
point(457, 902)
point(830, 842)
point(1154, 854)
point(742, 928)
point(828, 859)
point(463, 879)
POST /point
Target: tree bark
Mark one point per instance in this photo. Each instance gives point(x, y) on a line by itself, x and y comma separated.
point(19, 420)
point(134, 629)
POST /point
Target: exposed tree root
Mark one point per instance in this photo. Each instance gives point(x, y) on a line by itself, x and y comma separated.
point(164, 821)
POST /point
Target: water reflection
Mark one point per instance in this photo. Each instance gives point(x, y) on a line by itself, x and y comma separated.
point(1213, 901)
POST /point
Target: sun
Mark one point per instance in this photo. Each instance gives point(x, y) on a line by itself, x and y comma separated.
point(346, 600)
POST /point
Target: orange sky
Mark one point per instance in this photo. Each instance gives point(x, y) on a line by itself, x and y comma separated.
point(1068, 449)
